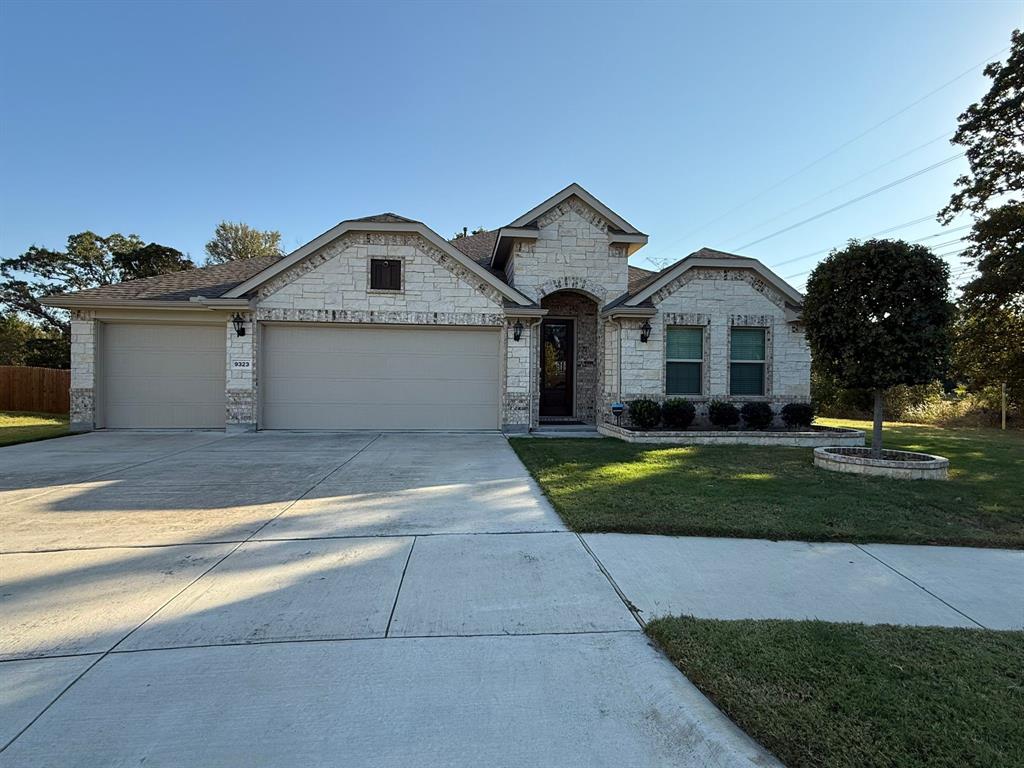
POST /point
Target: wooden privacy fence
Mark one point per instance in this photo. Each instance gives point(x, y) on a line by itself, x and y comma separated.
point(45, 390)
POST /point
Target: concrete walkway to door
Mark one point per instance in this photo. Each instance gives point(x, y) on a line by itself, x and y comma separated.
point(317, 600)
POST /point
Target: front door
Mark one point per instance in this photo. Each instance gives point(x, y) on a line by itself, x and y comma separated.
point(556, 368)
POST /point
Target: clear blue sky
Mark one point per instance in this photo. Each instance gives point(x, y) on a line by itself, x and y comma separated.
point(163, 119)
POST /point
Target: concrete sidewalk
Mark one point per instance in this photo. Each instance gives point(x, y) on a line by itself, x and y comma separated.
point(870, 583)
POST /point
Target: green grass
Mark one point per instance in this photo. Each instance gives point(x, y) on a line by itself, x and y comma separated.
point(848, 695)
point(777, 493)
point(22, 427)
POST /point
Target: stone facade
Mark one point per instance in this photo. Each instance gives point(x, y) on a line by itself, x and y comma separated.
point(572, 245)
point(241, 375)
point(716, 300)
point(570, 269)
point(336, 279)
point(83, 371)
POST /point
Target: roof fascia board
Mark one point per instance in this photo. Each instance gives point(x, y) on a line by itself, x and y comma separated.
point(525, 312)
point(731, 263)
point(589, 199)
point(515, 233)
point(629, 312)
point(362, 226)
point(87, 303)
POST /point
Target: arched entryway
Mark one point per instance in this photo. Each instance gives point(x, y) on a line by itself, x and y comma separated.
point(569, 359)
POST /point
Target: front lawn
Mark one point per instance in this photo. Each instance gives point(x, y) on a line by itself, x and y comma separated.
point(777, 493)
point(847, 695)
point(23, 427)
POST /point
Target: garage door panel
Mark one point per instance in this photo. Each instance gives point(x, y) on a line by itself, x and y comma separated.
point(314, 416)
point(379, 378)
point(162, 376)
point(331, 392)
point(154, 364)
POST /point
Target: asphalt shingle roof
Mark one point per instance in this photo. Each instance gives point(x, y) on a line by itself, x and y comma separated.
point(478, 247)
point(387, 218)
point(208, 282)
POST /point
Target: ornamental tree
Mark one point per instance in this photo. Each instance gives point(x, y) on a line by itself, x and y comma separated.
point(877, 314)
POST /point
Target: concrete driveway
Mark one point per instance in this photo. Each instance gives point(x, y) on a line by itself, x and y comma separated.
point(318, 599)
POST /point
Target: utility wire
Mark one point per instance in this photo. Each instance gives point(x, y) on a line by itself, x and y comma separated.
point(845, 184)
point(841, 147)
point(941, 255)
point(866, 195)
point(898, 227)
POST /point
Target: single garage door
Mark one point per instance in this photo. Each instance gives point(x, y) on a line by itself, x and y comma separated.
point(323, 377)
point(159, 376)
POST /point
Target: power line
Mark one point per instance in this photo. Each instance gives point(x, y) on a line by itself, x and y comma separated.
point(823, 251)
point(866, 195)
point(841, 147)
point(941, 255)
point(841, 186)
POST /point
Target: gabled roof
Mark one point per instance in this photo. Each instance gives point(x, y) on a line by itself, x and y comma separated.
point(362, 225)
point(387, 218)
point(525, 227)
point(207, 282)
point(531, 216)
point(641, 291)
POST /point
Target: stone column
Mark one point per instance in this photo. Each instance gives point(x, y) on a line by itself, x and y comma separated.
point(516, 395)
point(83, 372)
point(241, 388)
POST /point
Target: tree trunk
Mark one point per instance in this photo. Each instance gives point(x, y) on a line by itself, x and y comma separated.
point(876, 434)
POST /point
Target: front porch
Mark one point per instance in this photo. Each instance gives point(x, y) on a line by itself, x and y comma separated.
point(569, 360)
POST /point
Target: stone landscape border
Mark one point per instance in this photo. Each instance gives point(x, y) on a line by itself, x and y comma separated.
point(809, 438)
point(899, 465)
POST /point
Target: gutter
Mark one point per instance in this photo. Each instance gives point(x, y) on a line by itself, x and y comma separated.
point(191, 304)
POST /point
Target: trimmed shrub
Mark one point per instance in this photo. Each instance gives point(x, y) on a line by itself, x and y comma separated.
point(645, 413)
point(677, 413)
point(757, 415)
point(798, 414)
point(723, 414)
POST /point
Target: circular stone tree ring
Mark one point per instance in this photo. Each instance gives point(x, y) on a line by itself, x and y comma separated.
point(899, 465)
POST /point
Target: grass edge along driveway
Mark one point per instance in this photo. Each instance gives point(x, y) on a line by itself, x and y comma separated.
point(25, 427)
point(777, 493)
point(817, 694)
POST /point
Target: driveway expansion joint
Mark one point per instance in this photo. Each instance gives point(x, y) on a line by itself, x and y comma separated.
point(187, 586)
point(634, 611)
point(920, 586)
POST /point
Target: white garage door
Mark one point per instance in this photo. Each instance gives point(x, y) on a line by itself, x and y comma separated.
point(157, 376)
point(320, 377)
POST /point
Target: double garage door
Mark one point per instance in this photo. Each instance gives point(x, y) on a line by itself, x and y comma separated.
point(322, 377)
point(311, 377)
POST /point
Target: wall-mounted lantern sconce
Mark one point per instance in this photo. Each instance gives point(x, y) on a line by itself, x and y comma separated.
point(239, 324)
point(645, 332)
point(517, 330)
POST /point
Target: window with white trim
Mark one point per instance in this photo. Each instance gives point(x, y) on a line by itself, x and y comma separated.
point(746, 361)
point(684, 361)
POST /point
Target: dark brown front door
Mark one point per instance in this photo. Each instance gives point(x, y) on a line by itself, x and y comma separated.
point(556, 368)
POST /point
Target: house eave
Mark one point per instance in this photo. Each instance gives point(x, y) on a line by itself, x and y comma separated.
point(344, 227)
point(503, 243)
point(190, 304)
point(738, 262)
point(633, 242)
point(575, 189)
point(621, 311)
